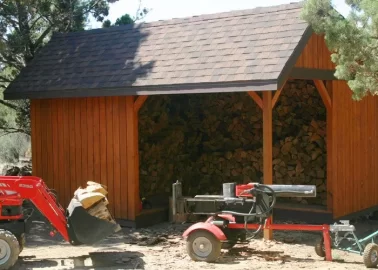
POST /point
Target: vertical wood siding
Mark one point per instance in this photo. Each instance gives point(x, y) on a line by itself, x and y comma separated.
point(355, 151)
point(315, 55)
point(81, 139)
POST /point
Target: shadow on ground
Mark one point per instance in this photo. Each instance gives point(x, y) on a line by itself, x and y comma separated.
point(39, 236)
point(94, 260)
point(244, 253)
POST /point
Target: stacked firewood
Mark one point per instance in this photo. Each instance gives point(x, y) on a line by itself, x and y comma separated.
point(208, 139)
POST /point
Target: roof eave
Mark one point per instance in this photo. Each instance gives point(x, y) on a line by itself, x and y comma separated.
point(285, 73)
point(200, 88)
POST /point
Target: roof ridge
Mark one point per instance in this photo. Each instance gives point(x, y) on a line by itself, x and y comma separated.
point(195, 18)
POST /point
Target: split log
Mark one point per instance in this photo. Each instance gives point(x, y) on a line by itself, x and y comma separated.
point(93, 199)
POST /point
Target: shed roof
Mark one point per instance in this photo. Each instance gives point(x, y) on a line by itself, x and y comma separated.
point(232, 51)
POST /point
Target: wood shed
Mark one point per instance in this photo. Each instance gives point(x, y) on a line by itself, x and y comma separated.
point(87, 90)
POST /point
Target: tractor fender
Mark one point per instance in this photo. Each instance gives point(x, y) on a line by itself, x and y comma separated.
point(218, 233)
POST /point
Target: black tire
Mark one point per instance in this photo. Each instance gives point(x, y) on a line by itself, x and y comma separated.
point(320, 249)
point(371, 255)
point(206, 238)
point(8, 244)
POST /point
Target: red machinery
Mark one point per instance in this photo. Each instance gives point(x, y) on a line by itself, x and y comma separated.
point(75, 224)
point(238, 215)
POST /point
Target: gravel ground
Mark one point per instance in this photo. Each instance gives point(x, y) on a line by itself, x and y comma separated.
point(161, 247)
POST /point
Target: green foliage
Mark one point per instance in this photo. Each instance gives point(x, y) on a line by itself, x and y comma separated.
point(353, 41)
point(127, 19)
point(25, 27)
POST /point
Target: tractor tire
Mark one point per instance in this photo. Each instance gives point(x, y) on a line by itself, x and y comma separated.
point(203, 246)
point(371, 255)
point(22, 241)
point(9, 249)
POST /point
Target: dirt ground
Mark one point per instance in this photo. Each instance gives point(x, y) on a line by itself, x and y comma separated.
point(161, 247)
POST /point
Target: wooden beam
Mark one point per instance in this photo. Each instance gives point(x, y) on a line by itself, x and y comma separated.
point(131, 156)
point(136, 162)
point(256, 98)
point(139, 103)
point(330, 158)
point(323, 94)
point(267, 146)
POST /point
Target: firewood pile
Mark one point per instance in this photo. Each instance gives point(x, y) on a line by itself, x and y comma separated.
point(208, 139)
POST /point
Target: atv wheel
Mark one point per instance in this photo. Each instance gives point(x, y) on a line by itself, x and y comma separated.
point(371, 255)
point(202, 245)
point(9, 249)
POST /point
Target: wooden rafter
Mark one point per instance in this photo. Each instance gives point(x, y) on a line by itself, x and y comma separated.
point(256, 98)
point(324, 94)
point(139, 103)
point(277, 94)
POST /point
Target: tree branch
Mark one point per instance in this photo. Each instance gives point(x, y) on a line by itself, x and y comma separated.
point(33, 24)
point(9, 130)
point(91, 7)
point(4, 79)
point(41, 37)
point(11, 62)
point(12, 106)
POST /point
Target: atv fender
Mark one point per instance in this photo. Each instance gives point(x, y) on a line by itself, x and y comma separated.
point(218, 233)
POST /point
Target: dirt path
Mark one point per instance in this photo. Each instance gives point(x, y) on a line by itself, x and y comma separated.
point(161, 247)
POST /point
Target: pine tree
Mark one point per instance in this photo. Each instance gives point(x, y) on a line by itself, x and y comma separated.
point(353, 41)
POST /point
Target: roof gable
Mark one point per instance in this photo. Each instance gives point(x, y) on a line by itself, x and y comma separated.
point(231, 51)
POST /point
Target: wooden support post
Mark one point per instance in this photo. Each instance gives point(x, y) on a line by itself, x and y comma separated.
point(131, 156)
point(329, 142)
point(268, 146)
point(325, 92)
point(132, 123)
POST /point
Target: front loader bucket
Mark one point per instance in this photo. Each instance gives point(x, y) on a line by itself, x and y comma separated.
point(86, 228)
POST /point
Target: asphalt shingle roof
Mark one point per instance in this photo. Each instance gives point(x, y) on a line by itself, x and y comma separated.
point(231, 51)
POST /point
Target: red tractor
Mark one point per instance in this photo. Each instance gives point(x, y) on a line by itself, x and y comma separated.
point(75, 224)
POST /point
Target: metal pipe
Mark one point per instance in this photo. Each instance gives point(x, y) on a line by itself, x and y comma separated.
point(294, 190)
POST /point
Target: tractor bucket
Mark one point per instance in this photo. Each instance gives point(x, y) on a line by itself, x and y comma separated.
point(86, 226)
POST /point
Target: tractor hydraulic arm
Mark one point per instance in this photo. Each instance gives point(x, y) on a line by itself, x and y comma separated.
point(35, 190)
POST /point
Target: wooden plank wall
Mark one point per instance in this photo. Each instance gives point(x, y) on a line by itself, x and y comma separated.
point(315, 55)
point(355, 137)
point(81, 139)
